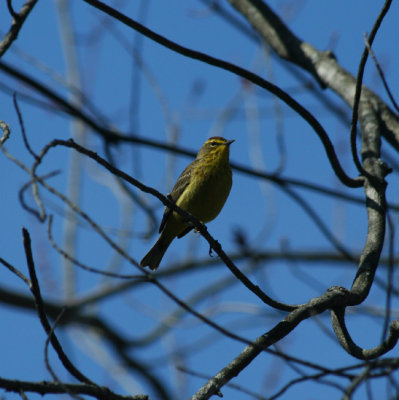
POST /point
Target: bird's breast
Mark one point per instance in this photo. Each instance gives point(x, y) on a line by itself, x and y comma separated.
point(207, 192)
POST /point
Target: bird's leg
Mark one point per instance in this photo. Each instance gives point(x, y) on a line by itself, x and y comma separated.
point(210, 251)
point(196, 230)
point(210, 247)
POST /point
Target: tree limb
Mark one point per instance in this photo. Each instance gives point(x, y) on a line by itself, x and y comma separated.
point(322, 65)
point(18, 20)
point(45, 387)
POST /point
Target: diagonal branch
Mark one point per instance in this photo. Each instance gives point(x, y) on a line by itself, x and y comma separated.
point(35, 289)
point(322, 65)
point(334, 297)
point(18, 20)
point(215, 245)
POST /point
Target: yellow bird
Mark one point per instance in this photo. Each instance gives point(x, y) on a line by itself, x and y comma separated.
point(202, 189)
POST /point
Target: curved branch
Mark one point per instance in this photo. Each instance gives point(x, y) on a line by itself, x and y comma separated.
point(374, 188)
point(257, 80)
point(341, 331)
point(358, 90)
point(322, 65)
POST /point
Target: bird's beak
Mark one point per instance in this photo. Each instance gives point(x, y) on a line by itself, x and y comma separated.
point(229, 142)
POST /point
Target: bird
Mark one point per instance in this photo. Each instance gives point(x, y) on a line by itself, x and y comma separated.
point(201, 190)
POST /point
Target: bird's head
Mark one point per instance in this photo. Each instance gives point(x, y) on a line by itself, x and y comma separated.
point(215, 147)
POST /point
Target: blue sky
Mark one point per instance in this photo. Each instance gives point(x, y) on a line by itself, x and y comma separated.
point(183, 100)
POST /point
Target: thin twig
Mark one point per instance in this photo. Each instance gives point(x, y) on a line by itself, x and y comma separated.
point(46, 358)
point(6, 132)
point(319, 223)
point(356, 383)
point(21, 124)
point(15, 271)
point(21, 196)
point(85, 267)
point(358, 90)
point(35, 289)
point(16, 25)
point(381, 73)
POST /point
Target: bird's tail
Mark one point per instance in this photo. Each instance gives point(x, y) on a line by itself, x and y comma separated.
point(153, 258)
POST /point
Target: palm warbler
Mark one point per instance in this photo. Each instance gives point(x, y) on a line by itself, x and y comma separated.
point(201, 190)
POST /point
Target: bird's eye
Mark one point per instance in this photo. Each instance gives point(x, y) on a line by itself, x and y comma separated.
point(213, 144)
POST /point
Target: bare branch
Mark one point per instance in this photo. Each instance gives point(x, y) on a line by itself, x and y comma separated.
point(114, 136)
point(35, 289)
point(19, 19)
point(358, 90)
point(374, 188)
point(338, 323)
point(21, 124)
point(257, 80)
point(98, 392)
point(356, 382)
point(215, 245)
point(322, 65)
point(334, 297)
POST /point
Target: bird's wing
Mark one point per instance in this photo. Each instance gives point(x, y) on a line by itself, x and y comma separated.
point(177, 191)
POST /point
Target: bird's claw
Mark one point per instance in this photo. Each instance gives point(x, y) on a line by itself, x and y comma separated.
point(210, 251)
